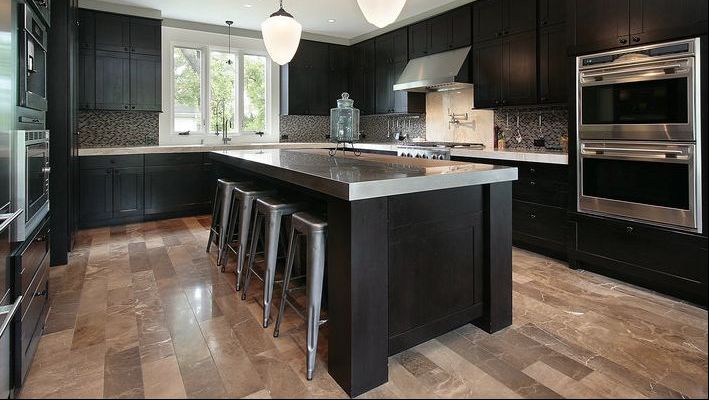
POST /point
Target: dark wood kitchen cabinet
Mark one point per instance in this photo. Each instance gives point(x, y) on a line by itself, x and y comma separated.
point(145, 36)
point(87, 32)
point(338, 76)
point(179, 182)
point(505, 71)
point(304, 81)
point(551, 12)
point(112, 80)
point(112, 32)
point(87, 79)
point(363, 76)
point(145, 83)
point(607, 24)
point(553, 64)
point(391, 54)
point(441, 33)
point(497, 18)
point(127, 192)
point(95, 195)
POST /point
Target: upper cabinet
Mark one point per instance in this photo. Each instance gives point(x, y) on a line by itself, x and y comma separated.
point(305, 81)
point(497, 18)
point(608, 24)
point(551, 12)
point(119, 61)
point(363, 72)
point(391, 54)
point(443, 32)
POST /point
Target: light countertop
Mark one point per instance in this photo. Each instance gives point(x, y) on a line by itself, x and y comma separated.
point(352, 178)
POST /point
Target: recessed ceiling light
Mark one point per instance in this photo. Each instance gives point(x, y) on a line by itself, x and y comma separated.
point(247, 5)
point(332, 20)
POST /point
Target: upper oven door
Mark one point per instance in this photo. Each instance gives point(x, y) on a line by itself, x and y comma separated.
point(651, 100)
point(37, 175)
point(650, 182)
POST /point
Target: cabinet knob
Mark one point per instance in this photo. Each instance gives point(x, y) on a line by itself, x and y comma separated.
point(532, 216)
point(532, 183)
point(532, 170)
point(41, 294)
point(132, 107)
point(629, 229)
point(125, 107)
point(622, 40)
point(636, 39)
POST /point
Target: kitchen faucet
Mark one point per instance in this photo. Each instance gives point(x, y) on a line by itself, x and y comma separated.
point(225, 124)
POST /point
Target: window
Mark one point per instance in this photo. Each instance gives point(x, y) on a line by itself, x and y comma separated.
point(216, 90)
point(187, 105)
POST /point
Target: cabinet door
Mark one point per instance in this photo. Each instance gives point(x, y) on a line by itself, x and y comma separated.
point(112, 80)
point(488, 19)
point(487, 74)
point(95, 195)
point(519, 69)
point(657, 20)
point(338, 74)
point(553, 65)
point(145, 83)
point(173, 188)
point(318, 96)
point(112, 32)
point(419, 39)
point(127, 192)
point(600, 25)
point(384, 46)
point(87, 34)
point(400, 50)
point(145, 36)
point(441, 33)
point(87, 80)
point(519, 16)
point(551, 12)
point(363, 76)
point(462, 22)
point(295, 89)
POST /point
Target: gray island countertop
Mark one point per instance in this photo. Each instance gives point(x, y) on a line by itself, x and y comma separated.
point(352, 178)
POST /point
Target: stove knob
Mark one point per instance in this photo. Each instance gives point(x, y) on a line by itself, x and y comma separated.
point(441, 157)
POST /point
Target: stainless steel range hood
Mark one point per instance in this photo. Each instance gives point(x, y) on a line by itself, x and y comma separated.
point(434, 73)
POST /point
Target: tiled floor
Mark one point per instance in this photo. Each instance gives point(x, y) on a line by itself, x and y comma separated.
point(141, 311)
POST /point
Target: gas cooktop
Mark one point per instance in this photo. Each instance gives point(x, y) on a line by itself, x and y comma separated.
point(448, 145)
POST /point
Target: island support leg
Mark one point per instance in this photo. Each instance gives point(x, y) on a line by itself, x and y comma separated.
point(497, 266)
point(357, 268)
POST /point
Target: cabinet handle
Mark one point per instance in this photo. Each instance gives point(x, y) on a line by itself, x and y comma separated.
point(125, 107)
point(532, 170)
point(636, 39)
point(132, 107)
point(532, 183)
point(622, 40)
point(629, 229)
point(41, 294)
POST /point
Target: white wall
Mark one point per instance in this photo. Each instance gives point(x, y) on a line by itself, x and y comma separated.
point(187, 37)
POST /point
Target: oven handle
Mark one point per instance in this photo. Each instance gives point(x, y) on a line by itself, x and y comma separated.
point(639, 153)
point(7, 219)
point(8, 312)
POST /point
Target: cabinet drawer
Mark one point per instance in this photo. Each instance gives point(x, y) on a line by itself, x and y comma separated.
point(650, 248)
point(174, 159)
point(32, 257)
point(35, 305)
point(95, 162)
point(542, 191)
point(546, 172)
point(539, 221)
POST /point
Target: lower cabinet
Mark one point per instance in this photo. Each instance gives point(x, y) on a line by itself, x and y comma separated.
point(122, 189)
point(30, 266)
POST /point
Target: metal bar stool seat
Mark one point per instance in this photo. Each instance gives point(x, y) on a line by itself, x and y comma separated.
point(220, 215)
point(315, 231)
point(242, 203)
point(269, 214)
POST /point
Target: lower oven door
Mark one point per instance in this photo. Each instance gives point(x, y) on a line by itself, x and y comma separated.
point(650, 182)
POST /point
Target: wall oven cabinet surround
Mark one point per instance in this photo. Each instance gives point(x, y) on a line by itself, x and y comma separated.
point(645, 93)
point(645, 181)
point(30, 179)
point(33, 60)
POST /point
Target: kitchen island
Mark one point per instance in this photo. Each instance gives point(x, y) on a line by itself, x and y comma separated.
point(412, 252)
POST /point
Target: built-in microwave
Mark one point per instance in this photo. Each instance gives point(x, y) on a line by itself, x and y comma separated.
point(30, 179)
point(642, 93)
point(33, 60)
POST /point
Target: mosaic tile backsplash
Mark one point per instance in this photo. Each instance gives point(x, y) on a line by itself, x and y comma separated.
point(118, 128)
point(374, 128)
point(554, 124)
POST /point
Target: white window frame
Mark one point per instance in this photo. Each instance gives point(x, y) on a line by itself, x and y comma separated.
point(205, 92)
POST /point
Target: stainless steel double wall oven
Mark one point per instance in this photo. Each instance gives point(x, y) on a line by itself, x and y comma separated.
point(639, 119)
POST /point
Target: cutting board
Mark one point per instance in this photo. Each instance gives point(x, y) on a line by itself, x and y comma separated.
point(422, 164)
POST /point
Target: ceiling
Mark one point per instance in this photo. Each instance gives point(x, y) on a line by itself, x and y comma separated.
point(348, 22)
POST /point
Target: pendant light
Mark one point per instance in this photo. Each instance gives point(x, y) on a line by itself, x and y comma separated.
point(281, 34)
point(228, 59)
point(381, 13)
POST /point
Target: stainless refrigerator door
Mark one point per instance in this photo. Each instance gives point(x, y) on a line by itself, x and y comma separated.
point(8, 92)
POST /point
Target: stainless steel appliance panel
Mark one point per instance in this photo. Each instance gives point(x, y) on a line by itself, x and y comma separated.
point(33, 60)
point(30, 174)
point(652, 182)
point(8, 305)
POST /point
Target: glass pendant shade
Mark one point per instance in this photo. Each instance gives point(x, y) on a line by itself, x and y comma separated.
point(281, 34)
point(381, 13)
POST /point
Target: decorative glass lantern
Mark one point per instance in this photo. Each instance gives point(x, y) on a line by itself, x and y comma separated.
point(344, 122)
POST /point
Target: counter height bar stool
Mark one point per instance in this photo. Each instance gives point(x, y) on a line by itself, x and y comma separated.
point(242, 203)
point(269, 212)
point(315, 231)
point(220, 216)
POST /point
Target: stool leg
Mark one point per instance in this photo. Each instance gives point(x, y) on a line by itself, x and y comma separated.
point(255, 232)
point(286, 280)
point(245, 220)
point(215, 207)
point(315, 274)
point(223, 222)
point(230, 229)
point(273, 229)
